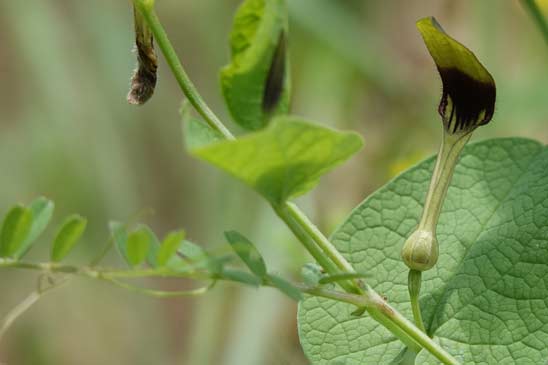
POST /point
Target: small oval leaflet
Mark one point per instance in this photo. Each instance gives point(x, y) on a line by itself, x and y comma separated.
point(15, 229)
point(69, 234)
point(169, 247)
point(247, 252)
point(42, 211)
point(137, 246)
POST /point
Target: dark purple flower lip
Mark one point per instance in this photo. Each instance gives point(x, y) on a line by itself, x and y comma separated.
point(466, 103)
point(469, 90)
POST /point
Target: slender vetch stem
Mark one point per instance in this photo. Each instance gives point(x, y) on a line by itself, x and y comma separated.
point(28, 302)
point(312, 239)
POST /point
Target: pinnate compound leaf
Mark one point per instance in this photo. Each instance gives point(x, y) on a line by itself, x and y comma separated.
point(70, 232)
point(284, 160)
point(486, 301)
point(138, 245)
point(42, 211)
point(15, 229)
point(255, 84)
point(247, 252)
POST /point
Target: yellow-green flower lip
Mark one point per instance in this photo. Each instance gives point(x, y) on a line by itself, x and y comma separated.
point(469, 90)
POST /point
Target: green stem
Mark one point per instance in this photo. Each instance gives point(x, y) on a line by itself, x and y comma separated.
point(538, 17)
point(325, 245)
point(416, 334)
point(392, 320)
point(414, 284)
point(295, 225)
point(448, 156)
point(313, 240)
point(97, 272)
point(27, 303)
point(182, 78)
point(160, 293)
point(376, 306)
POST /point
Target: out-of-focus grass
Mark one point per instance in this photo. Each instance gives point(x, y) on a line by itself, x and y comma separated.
point(67, 133)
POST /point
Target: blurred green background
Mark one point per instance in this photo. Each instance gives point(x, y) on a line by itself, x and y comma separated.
point(66, 132)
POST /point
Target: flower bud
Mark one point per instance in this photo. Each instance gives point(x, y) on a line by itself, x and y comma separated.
point(420, 251)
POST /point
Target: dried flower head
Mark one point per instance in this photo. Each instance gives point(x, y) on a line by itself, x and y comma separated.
point(144, 78)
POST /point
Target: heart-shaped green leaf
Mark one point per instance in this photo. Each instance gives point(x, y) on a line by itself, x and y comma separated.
point(284, 160)
point(70, 232)
point(256, 82)
point(486, 300)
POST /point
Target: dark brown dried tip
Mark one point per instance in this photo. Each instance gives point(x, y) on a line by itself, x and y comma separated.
point(144, 78)
point(276, 77)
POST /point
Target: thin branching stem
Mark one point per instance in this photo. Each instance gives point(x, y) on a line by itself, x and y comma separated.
point(292, 216)
point(29, 301)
